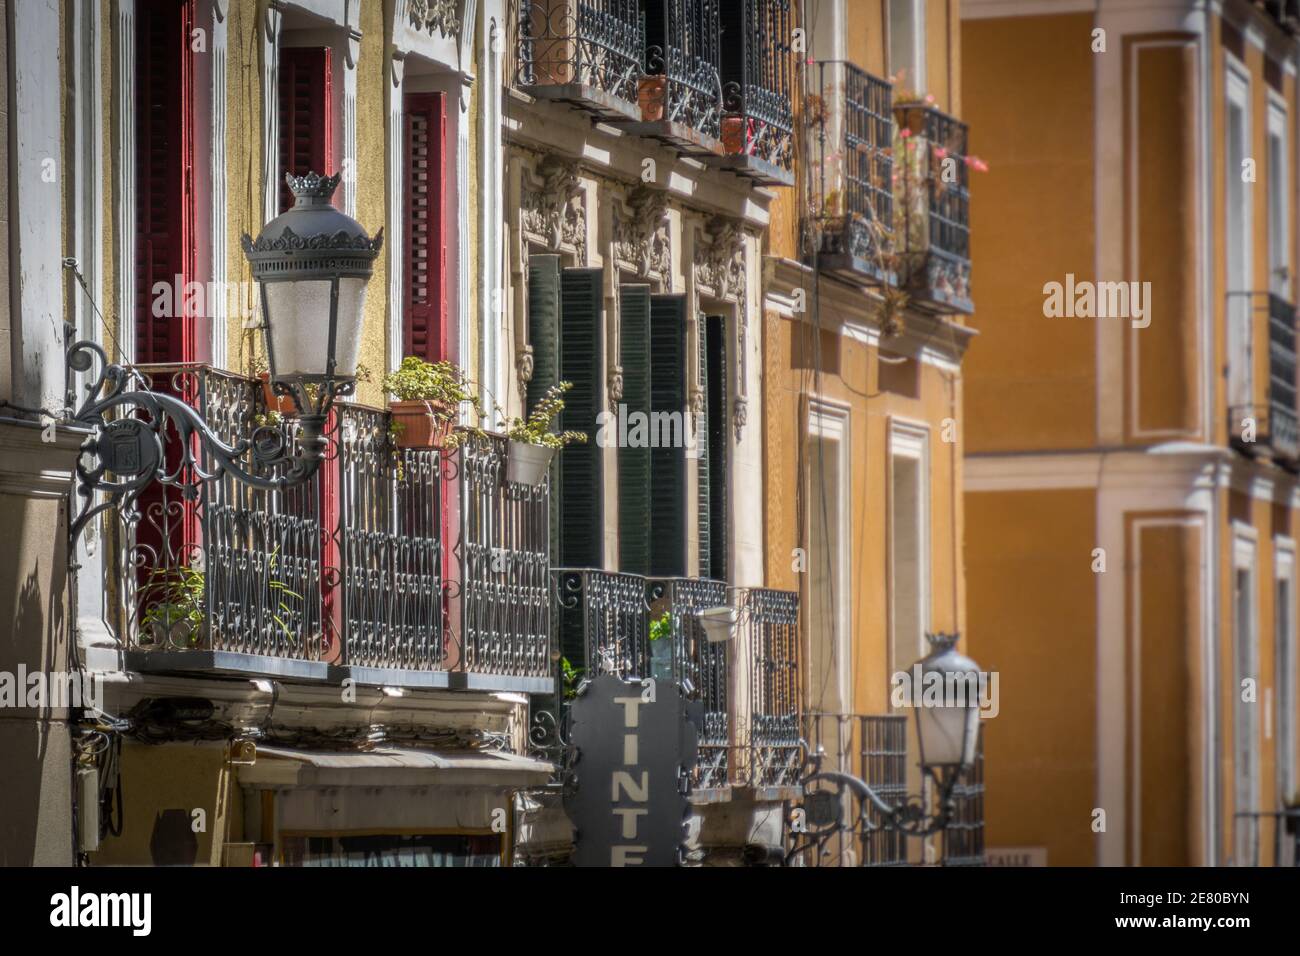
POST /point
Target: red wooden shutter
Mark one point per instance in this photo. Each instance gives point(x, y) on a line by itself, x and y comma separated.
point(424, 310)
point(164, 180)
point(306, 145)
point(306, 114)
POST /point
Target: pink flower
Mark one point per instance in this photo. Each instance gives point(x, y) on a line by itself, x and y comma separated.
point(905, 133)
point(929, 98)
point(940, 152)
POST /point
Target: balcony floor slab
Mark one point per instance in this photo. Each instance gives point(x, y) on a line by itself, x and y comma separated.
point(679, 135)
point(226, 663)
point(752, 167)
point(590, 98)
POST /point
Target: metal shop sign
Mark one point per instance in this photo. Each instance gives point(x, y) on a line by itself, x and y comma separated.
point(627, 800)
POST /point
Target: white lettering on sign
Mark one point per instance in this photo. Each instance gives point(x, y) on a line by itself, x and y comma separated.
point(624, 785)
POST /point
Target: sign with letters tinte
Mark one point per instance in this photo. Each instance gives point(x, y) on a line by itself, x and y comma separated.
point(634, 744)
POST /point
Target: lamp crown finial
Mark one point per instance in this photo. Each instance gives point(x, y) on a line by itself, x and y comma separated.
point(942, 641)
point(313, 185)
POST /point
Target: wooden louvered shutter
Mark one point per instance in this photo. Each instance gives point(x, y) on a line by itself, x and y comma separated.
point(424, 311)
point(306, 146)
point(634, 463)
point(581, 473)
point(544, 338)
point(305, 114)
point(715, 357)
point(164, 189)
point(668, 465)
point(543, 324)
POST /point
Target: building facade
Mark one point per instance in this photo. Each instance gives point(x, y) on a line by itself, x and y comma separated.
point(1131, 456)
point(867, 279)
point(695, 215)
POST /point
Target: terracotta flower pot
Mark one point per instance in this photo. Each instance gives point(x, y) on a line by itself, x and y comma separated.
point(527, 464)
point(422, 424)
point(651, 96)
point(736, 135)
point(276, 403)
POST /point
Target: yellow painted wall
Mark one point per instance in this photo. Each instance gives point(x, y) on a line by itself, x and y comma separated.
point(849, 377)
point(1162, 370)
point(1033, 621)
point(1031, 379)
point(162, 787)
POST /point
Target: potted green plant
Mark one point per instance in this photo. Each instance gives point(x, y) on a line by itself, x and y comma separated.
point(532, 444)
point(661, 647)
point(429, 394)
point(174, 616)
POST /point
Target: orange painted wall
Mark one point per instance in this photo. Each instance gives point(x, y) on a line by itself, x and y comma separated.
point(1032, 603)
point(1031, 380)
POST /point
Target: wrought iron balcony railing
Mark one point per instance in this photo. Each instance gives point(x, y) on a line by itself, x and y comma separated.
point(1264, 430)
point(227, 572)
point(610, 622)
point(851, 126)
point(388, 599)
point(757, 122)
point(874, 749)
point(932, 221)
point(700, 665)
point(1282, 379)
point(347, 575)
point(586, 52)
point(963, 838)
point(504, 556)
point(775, 738)
point(681, 92)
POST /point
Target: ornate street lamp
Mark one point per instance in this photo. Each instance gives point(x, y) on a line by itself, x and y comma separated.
point(312, 264)
point(947, 732)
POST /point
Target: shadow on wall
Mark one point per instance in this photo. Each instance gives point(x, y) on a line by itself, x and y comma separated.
point(173, 842)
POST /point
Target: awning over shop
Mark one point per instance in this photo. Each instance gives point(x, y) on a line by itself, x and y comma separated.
point(391, 767)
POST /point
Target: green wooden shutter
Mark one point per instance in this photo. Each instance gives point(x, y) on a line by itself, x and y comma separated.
point(634, 463)
point(703, 525)
point(668, 465)
point(544, 337)
point(716, 358)
point(543, 324)
point(581, 476)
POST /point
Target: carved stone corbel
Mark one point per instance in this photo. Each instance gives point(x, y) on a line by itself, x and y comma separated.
point(440, 15)
point(552, 207)
point(641, 234)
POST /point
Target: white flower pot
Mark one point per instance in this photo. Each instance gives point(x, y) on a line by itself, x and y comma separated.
point(527, 464)
point(719, 623)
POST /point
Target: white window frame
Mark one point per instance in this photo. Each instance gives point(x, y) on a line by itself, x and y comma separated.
point(1239, 309)
point(1279, 193)
point(1245, 716)
point(909, 439)
point(830, 422)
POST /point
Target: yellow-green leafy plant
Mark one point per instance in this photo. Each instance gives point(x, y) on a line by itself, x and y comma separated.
point(536, 428)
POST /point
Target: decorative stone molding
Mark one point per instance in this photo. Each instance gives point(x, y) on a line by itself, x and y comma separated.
point(552, 207)
point(720, 261)
point(441, 15)
point(524, 365)
point(721, 272)
point(642, 238)
point(614, 382)
point(739, 414)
